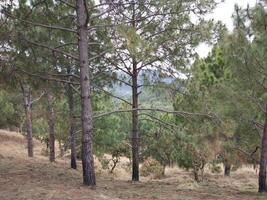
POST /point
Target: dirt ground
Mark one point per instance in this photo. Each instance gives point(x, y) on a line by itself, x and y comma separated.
point(22, 178)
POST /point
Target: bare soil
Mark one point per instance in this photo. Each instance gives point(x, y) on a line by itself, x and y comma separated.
point(23, 178)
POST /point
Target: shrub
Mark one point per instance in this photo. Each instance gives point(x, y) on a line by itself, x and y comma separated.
point(215, 168)
point(153, 168)
point(104, 162)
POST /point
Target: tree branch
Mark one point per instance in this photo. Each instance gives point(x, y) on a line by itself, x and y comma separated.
point(179, 113)
point(99, 55)
point(68, 4)
point(47, 78)
point(53, 49)
point(43, 25)
point(37, 99)
point(159, 120)
point(116, 97)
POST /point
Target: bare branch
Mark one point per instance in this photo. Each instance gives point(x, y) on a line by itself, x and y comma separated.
point(47, 78)
point(159, 120)
point(178, 113)
point(37, 99)
point(67, 3)
point(148, 63)
point(246, 153)
point(99, 55)
point(67, 44)
point(119, 68)
point(76, 89)
point(43, 25)
point(65, 75)
point(112, 95)
point(261, 126)
point(53, 49)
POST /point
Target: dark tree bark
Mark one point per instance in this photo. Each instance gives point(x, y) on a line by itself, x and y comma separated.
point(87, 118)
point(135, 125)
point(73, 156)
point(227, 169)
point(115, 160)
point(73, 163)
point(263, 159)
point(195, 172)
point(27, 97)
point(135, 120)
point(163, 170)
point(51, 124)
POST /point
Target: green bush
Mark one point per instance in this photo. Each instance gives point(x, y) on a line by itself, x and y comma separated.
point(7, 111)
point(104, 162)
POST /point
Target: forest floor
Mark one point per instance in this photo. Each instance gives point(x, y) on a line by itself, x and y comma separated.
point(23, 178)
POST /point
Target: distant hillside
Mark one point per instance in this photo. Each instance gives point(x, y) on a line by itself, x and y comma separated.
point(148, 93)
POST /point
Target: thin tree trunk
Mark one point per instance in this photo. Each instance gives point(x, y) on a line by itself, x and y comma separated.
point(87, 118)
point(135, 121)
point(227, 169)
point(115, 161)
point(163, 170)
point(135, 126)
point(28, 112)
point(51, 124)
point(73, 156)
point(263, 159)
point(61, 148)
point(202, 169)
point(195, 172)
point(73, 163)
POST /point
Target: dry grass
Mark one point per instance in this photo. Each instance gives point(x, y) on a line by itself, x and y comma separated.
point(22, 178)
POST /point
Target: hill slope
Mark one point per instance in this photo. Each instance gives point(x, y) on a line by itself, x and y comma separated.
point(22, 178)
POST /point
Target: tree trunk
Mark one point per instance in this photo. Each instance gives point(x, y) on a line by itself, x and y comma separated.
point(163, 170)
point(28, 113)
point(115, 161)
point(263, 159)
point(73, 156)
point(61, 148)
point(227, 169)
point(135, 121)
point(51, 124)
point(87, 118)
point(195, 172)
point(202, 168)
point(135, 126)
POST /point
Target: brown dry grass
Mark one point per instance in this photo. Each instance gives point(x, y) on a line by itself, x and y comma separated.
point(22, 178)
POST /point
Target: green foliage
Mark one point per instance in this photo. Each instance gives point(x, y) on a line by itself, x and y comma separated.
point(133, 41)
point(7, 110)
point(230, 82)
point(10, 111)
point(163, 141)
point(104, 162)
point(62, 125)
point(111, 132)
point(159, 36)
point(40, 128)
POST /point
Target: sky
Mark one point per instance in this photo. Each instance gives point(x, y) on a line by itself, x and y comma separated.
point(223, 13)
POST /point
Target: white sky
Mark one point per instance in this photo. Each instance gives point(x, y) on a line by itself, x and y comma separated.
point(224, 13)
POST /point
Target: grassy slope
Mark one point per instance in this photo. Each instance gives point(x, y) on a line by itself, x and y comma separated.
point(36, 179)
